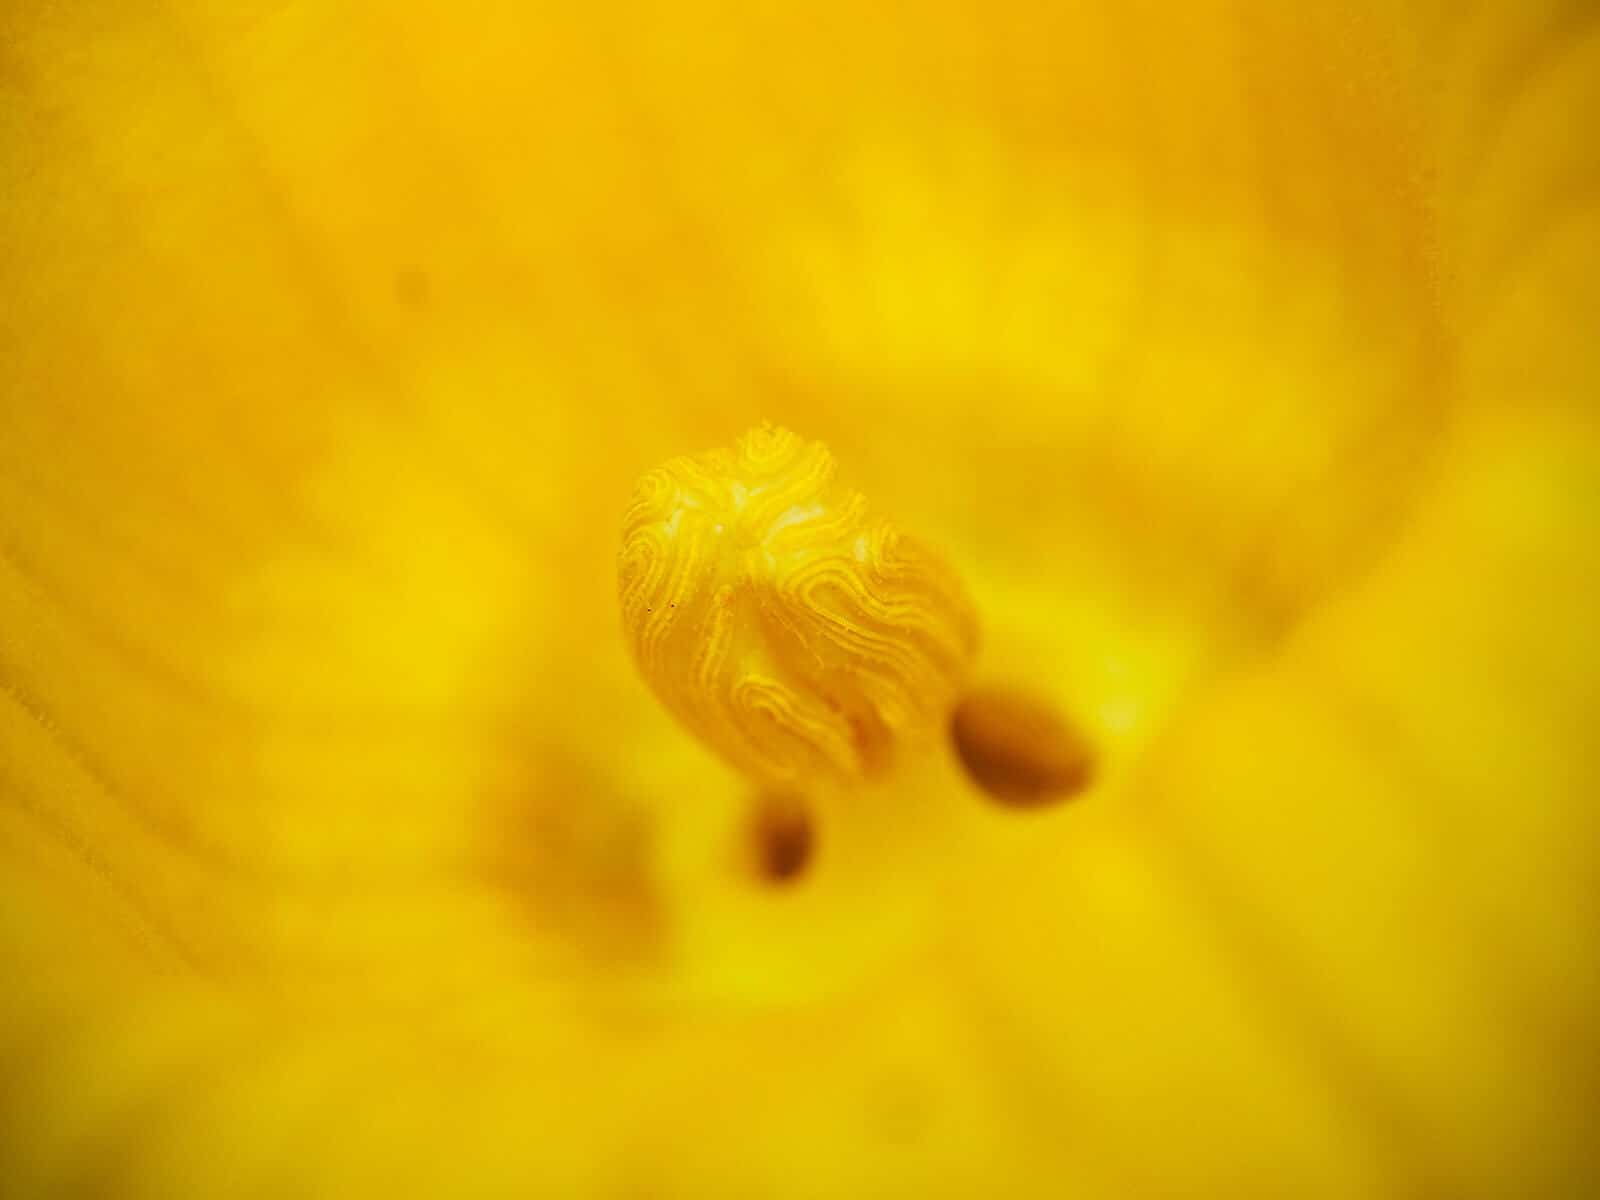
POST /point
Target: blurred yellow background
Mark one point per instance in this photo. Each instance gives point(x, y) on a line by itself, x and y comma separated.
point(1241, 354)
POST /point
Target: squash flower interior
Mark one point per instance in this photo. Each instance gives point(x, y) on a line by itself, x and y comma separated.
point(1239, 358)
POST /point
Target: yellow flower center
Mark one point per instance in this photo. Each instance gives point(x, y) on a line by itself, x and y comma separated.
point(793, 633)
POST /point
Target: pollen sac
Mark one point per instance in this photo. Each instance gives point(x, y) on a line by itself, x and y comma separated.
point(794, 633)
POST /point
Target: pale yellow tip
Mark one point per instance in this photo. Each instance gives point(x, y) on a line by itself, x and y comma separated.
point(797, 636)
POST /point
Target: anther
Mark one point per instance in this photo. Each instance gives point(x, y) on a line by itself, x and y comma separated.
point(794, 633)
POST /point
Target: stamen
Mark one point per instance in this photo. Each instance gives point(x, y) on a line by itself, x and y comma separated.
point(793, 633)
